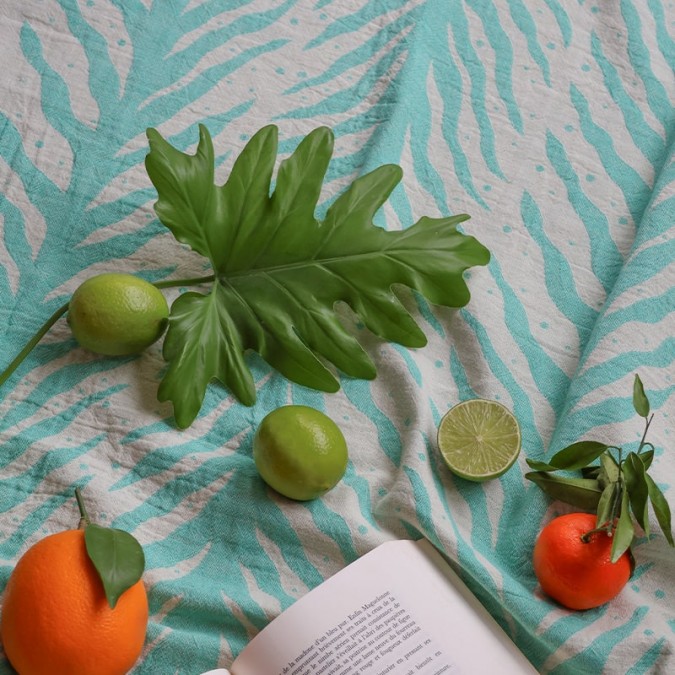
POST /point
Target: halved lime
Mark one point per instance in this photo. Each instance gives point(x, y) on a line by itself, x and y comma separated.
point(479, 439)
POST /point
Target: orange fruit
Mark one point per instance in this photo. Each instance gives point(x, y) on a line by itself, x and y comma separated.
point(577, 574)
point(56, 619)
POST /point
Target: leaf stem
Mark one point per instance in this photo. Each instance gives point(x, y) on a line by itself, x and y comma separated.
point(648, 421)
point(6, 374)
point(30, 345)
point(194, 281)
point(84, 516)
point(649, 445)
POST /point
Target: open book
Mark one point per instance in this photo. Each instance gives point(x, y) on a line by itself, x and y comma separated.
point(399, 609)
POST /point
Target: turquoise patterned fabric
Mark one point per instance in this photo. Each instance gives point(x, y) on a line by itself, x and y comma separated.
point(551, 123)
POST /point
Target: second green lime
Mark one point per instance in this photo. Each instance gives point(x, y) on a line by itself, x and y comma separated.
point(479, 439)
point(300, 452)
point(117, 314)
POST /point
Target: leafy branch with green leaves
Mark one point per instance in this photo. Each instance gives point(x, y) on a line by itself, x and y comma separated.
point(618, 489)
point(278, 273)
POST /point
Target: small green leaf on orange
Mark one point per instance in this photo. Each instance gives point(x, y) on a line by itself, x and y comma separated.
point(117, 557)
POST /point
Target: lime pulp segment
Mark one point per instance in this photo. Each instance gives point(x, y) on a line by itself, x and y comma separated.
point(479, 439)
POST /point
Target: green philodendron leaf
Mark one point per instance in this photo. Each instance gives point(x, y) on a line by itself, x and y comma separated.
point(581, 492)
point(624, 531)
point(640, 400)
point(117, 557)
point(280, 272)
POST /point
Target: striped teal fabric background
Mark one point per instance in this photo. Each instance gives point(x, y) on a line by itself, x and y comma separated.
point(550, 122)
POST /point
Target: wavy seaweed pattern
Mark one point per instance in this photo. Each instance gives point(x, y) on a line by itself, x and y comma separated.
point(551, 123)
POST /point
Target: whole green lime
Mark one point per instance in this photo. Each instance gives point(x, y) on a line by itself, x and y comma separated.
point(300, 452)
point(117, 314)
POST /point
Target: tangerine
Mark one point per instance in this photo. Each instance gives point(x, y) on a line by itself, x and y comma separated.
point(56, 619)
point(576, 573)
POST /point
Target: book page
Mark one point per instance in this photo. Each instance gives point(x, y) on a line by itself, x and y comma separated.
point(397, 609)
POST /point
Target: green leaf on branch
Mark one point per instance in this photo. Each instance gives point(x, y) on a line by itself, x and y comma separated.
point(624, 531)
point(606, 505)
point(647, 457)
point(280, 272)
point(117, 557)
point(591, 471)
point(661, 508)
point(536, 465)
point(583, 493)
point(640, 400)
point(610, 471)
point(638, 490)
point(577, 455)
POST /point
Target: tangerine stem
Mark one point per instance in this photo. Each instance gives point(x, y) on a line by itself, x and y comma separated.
point(586, 536)
point(84, 516)
point(7, 372)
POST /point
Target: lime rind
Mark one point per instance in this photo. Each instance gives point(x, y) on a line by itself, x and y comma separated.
point(479, 439)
